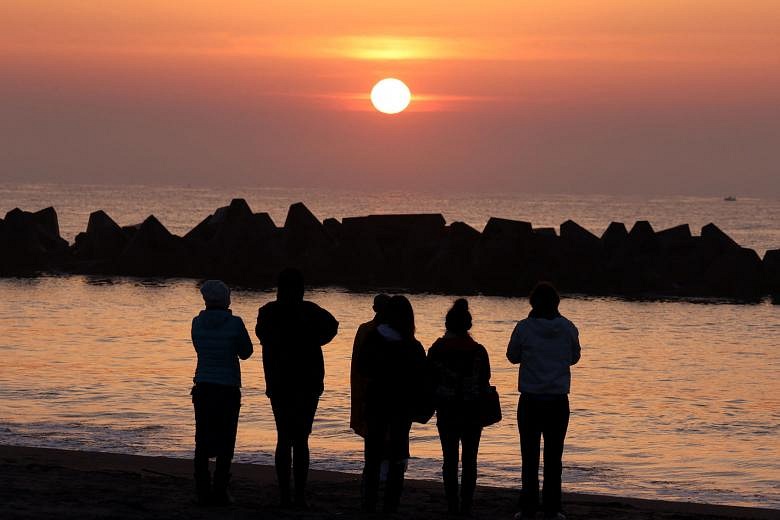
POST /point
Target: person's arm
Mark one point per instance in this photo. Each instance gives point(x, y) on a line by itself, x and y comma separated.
point(514, 352)
point(244, 347)
point(328, 327)
point(430, 364)
point(357, 346)
point(421, 362)
point(367, 355)
point(192, 334)
point(421, 375)
point(321, 326)
point(576, 350)
point(260, 326)
point(485, 368)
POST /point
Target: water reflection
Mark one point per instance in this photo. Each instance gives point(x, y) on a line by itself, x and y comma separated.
point(671, 398)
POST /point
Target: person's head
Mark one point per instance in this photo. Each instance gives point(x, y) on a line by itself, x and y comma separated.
point(381, 302)
point(458, 320)
point(544, 300)
point(290, 285)
point(216, 294)
point(400, 316)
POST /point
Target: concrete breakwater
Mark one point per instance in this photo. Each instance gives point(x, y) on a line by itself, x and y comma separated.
point(418, 252)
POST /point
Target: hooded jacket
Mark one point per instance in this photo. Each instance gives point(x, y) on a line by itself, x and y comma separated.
point(292, 334)
point(220, 339)
point(545, 349)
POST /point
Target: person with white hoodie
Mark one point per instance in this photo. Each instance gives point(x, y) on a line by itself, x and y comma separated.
point(545, 345)
point(220, 340)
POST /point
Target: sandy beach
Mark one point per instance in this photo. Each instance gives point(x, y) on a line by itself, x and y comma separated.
point(45, 483)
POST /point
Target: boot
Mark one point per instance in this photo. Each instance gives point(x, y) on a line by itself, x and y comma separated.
point(203, 488)
point(300, 500)
point(465, 506)
point(369, 491)
point(221, 494)
point(394, 487)
point(451, 493)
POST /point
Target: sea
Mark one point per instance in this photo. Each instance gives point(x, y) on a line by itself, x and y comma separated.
point(674, 399)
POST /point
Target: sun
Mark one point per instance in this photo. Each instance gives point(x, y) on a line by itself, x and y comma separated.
point(390, 96)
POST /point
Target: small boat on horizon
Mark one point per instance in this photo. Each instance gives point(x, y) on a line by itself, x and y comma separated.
point(730, 198)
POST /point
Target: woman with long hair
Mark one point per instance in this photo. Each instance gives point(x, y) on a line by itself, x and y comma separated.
point(459, 368)
point(393, 363)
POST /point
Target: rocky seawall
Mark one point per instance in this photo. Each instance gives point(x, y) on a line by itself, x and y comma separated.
point(413, 252)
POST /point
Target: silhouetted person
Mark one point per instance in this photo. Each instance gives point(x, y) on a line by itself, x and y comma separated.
point(357, 382)
point(459, 368)
point(220, 339)
point(393, 362)
point(292, 332)
point(545, 345)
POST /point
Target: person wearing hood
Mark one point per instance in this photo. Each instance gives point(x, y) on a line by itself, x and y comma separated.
point(545, 345)
point(292, 332)
point(220, 340)
point(393, 363)
point(459, 369)
point(358, 383)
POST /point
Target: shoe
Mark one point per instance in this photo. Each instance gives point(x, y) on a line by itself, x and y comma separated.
point(222, 497)
point(220, 494)
point(203, 489)
point(301, 503)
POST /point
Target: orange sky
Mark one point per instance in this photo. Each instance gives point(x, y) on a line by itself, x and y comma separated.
point(595, 95)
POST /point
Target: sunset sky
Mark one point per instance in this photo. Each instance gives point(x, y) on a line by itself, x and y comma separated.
point(595, 96)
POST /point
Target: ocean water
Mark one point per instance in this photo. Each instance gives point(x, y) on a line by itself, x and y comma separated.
point(673, 399)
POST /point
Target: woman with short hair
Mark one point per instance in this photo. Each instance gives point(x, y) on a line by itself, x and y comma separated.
point(545, 345)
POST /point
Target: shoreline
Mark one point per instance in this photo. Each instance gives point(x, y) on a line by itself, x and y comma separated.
point(45, 482)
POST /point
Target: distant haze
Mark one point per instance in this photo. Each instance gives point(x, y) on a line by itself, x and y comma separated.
point(607, 96)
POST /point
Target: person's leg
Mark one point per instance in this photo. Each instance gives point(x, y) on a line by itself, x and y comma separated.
point(307, 408)
point(201, 459)
point(376, 430)
point(470, 441)
point(530, 440)
point(230, 406)
point(449, 447)
point(398, 435)
point(555, 425)
point(283, 454)
point(202, 477)
point(300, 467)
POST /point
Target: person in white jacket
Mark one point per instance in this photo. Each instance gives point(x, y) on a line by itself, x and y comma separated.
point(545, 345)
point(220, 340)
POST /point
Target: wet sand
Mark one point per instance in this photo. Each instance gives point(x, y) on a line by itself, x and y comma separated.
point(44, 483)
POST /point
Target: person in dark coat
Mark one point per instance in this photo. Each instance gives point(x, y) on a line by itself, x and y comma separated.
point(220, 340)
point(545, 345)
point(459, 368)
point(357, 382)
point(393, 362)
point(292, 332)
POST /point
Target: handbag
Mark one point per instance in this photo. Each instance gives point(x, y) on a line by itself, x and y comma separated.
point(489, 407)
